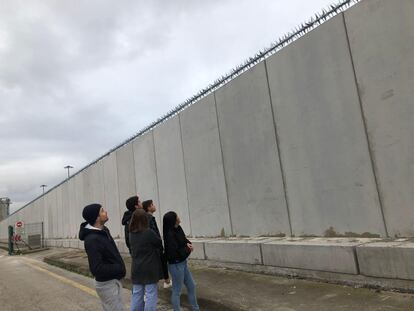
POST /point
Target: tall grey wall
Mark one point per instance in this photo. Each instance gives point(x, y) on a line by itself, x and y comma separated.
point(111, 194)
point(250, 155)
point(146, 171)
point(315, 140)
point(324, 151)
point(381, 38)
point(207, 194)
point(172, 183)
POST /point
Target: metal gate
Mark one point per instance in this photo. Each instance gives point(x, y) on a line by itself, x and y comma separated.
point(29, 237)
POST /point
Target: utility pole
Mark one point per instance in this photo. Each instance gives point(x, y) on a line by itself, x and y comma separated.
point(43, 187)
point(68, 167)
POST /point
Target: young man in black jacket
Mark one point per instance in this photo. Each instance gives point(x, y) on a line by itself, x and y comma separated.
point(105, 261)
point(132, 204)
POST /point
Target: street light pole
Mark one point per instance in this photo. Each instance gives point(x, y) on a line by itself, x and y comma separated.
point(43, 186)
point(68, 167)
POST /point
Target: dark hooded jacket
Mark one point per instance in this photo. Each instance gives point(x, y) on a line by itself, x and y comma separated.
point(175, 243)
point(125, 222)
point(105, 261)
point(154, 227)
point(146, 252)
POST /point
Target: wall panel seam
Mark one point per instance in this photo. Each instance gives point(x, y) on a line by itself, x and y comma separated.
point(224, 169)
point(278, 150)
point(364, 121)
point(185, 173)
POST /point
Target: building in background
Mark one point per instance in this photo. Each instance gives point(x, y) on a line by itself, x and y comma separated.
point(4, 208)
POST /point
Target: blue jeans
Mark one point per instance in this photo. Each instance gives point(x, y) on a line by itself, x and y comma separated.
point(181, 275)
point(151, 297)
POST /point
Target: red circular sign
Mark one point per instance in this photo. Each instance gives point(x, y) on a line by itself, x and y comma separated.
point(19, 224)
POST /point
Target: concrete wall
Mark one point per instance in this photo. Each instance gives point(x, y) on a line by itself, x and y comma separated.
point(80, 202)
point(324, 151)
point(316, 140)
point(207, 194)
point(112, 200)
point(126, 176)
point(72, 209)
point(59, 213)
point(250, 156)
point(171, 177)
point(65, 211)
point(94, 184)
point(145, 170)
point(50, 205)
point(381, 37)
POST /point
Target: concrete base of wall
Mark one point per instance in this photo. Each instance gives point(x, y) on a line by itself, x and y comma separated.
point(404, 286)
point(235, 250)
point(387, 259)
point(199, 251)
point(376, 263)
point(74, 243)
point(330, 255)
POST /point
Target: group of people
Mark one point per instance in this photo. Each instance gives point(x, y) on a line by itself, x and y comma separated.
point(152, 260)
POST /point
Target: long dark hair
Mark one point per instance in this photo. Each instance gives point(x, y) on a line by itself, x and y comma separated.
point(139, 221)
point(168, 223)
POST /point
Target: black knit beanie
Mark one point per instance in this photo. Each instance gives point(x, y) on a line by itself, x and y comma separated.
point(91, 212)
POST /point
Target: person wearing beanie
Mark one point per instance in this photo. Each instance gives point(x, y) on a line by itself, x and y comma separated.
point(105, 261)
point(132, 204)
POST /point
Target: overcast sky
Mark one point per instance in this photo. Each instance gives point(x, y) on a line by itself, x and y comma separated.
point(79, 77)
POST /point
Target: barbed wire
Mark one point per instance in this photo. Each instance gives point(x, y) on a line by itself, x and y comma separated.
point(288, 38)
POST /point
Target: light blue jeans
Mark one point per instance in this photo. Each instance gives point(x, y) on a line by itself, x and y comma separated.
point(151, 296)
point(180, 274)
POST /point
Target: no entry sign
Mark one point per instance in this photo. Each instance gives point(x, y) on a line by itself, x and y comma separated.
point(20, 224)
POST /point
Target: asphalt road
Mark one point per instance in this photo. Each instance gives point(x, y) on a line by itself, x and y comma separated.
point(26, 283)
point(30, 284)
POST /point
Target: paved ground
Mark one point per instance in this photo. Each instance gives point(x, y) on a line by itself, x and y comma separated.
point(218, 289)
point(29, 284)
point(248, 291)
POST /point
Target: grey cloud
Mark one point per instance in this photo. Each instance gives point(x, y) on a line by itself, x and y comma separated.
point(79, 77)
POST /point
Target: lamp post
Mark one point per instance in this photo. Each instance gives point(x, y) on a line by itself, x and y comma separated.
point(43, 187)
point(68, 167)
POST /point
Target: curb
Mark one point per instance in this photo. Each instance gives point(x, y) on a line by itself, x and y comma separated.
point(163, 294)
point(25, 251)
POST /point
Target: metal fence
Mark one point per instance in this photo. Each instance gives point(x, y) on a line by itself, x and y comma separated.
point(31, 236)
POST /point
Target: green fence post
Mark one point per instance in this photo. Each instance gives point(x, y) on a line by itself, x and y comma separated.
point(11, 240)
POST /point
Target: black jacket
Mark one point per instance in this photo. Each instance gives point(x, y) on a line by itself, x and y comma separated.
point(105, 262)
point(146, 250)
point(153, 226)
point(175, 244)
point(125, 222)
